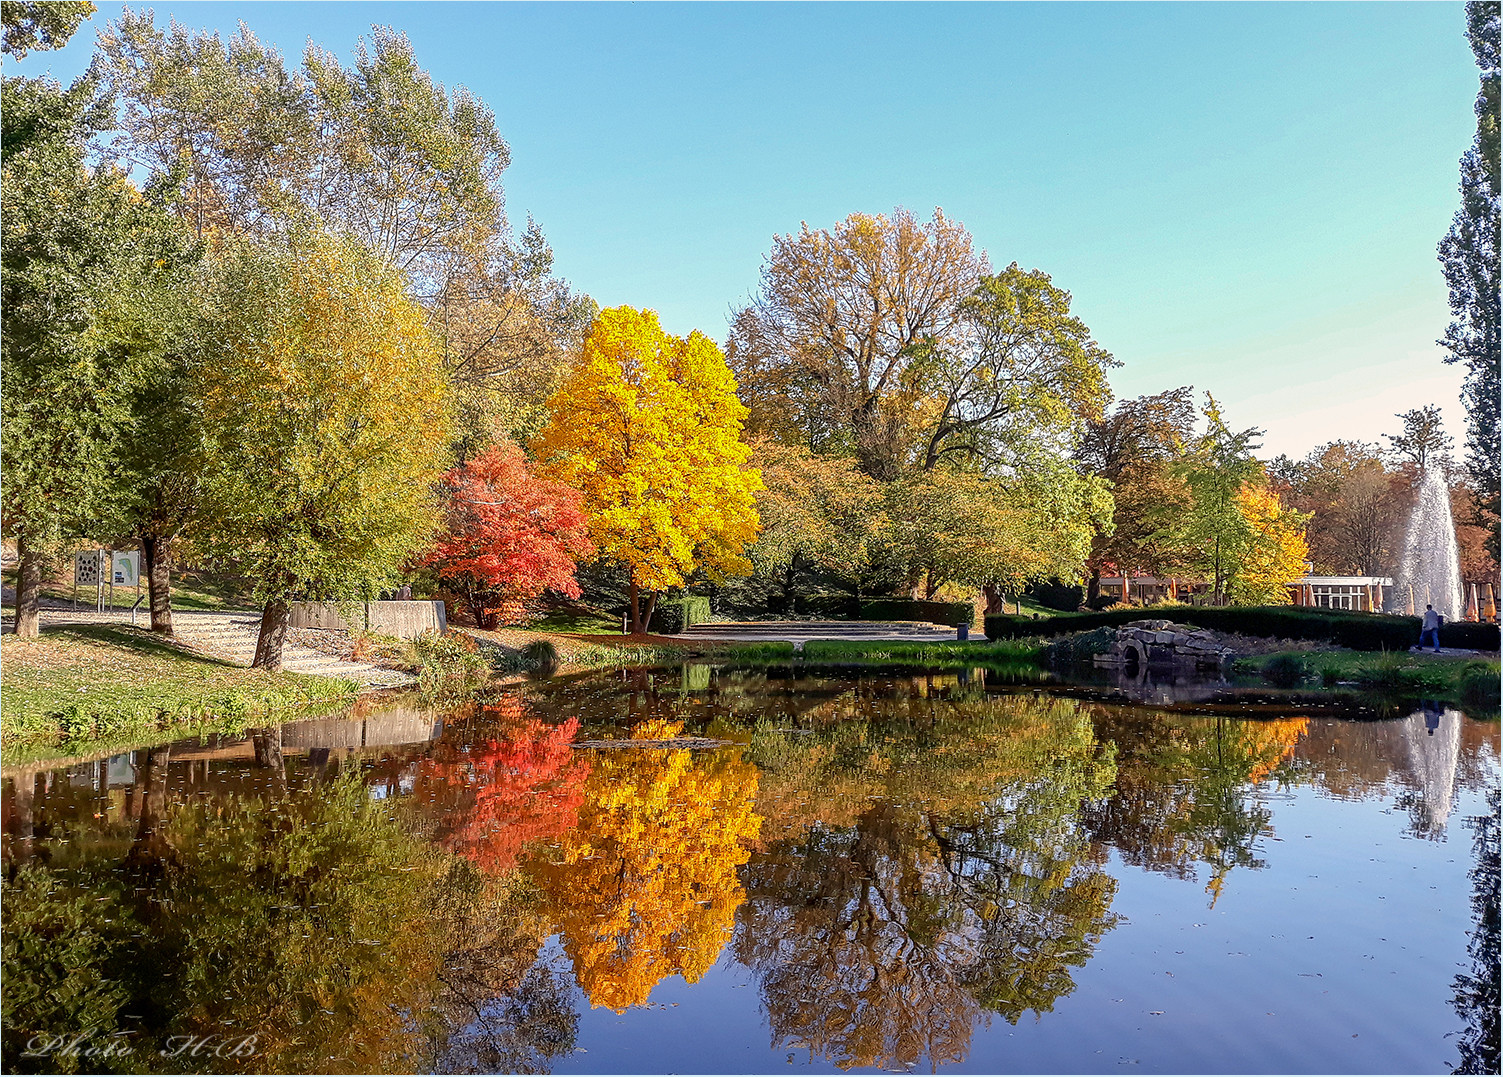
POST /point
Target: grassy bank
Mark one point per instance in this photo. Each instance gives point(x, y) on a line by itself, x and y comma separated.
point(1469, 681)
point(88, 688)
point(1006, 653)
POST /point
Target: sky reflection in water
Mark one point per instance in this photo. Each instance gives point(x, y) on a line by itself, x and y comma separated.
point(879, 872)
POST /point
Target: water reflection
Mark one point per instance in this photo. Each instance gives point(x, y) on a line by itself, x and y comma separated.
point(1185, 792)
point(926, 875)
point(646, 885)
point(897, 858)
point(1432, 736)
point(1477, 996)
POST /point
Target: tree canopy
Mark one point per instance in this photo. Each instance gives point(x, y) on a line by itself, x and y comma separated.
point(326, 423)
point(648, 427)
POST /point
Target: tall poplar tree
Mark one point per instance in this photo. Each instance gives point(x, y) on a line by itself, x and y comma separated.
point(1469, 257)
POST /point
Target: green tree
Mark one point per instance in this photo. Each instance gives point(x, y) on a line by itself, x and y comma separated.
point(376, 149)
point(40, 25)
point(1469, 259)
point(1020, 371)
point(1215, 534)
point(325, 423)
point(1423, 442)
point(1135, 447)
point(88, 272)
point(819, 514)
point(999, 535)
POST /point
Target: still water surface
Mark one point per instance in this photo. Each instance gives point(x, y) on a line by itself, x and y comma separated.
point(881, 872)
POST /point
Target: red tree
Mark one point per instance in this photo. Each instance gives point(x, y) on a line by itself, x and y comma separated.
point(509, 535)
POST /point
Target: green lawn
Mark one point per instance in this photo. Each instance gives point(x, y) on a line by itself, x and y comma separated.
point(1008, 653)
point(87, 688)
point(190, 591)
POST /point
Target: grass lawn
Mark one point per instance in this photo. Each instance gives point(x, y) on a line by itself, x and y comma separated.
point(190, 591)
point(1004, 653)
point(88, 688)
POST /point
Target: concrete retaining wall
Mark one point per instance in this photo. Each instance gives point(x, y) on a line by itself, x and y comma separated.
point(405, 620)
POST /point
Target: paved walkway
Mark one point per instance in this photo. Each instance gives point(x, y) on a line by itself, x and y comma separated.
point(800, 632)
point(231, 636)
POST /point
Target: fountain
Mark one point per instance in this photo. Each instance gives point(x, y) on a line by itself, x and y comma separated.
point(1430, 571)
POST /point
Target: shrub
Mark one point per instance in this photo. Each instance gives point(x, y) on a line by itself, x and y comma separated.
point(914, 609)
point(451, 668)
point(1285, 670)
point(1479, 684)
point(541, 656)
point(1057, 596)
point(1079, 647)
point(678, 614)
point(1359, 631)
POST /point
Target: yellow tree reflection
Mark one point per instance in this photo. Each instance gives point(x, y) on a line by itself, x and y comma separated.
point(646, 886)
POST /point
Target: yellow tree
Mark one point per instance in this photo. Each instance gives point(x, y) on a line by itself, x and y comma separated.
point(1275, 555)
point(648, 426)
point(646, 886)
point(325, 419)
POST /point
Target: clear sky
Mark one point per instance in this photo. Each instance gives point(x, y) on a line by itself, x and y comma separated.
point(1241, 197)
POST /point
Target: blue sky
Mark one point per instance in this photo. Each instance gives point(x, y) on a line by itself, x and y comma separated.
point(1242, 197)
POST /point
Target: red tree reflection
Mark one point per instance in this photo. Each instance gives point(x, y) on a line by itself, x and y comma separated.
point(492, 796)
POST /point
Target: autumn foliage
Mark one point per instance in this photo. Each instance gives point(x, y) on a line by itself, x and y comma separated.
point(509, 535)
point(493, 797)
point(646, 886)
point(648, 426)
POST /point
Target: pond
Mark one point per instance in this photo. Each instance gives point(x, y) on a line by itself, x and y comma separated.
point(871, 870)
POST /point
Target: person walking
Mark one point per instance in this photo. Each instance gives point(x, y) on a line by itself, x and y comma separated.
point(1430, 626)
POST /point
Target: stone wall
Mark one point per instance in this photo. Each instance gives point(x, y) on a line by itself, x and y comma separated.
point(1164, 644)
point(405, 620)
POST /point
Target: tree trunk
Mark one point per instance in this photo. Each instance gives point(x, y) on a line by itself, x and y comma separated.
point(267, 744)
point(1093, 586)
point(150, 852)
point(28, 589)
point(156, 550)
point(274, 621)
point(632, 607)
point(994, 598)
point(652, 604)
point(930, 584)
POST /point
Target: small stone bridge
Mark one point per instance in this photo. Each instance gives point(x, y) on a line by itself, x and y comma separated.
point(1163, 644)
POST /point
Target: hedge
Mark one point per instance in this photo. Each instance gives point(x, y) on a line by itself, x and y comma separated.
point(672, 617)
point(913, 609)
point(1359, 631)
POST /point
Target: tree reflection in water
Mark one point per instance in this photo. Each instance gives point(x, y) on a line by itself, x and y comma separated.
point(1182, 797)
point(516, 782)
point(963, 885)
point(1477, 990)
point(646, 886)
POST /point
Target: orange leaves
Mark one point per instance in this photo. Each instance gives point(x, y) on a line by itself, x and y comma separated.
point(496, 796)
point(646, 886)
